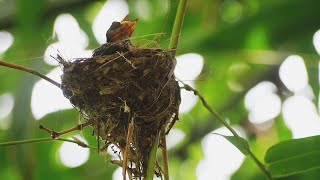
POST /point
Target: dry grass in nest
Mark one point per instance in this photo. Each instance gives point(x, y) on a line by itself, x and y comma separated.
point(137, 85)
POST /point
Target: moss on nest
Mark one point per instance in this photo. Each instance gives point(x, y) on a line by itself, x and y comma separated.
point(136, 85)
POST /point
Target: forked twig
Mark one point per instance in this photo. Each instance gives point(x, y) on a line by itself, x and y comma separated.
point(55, 134)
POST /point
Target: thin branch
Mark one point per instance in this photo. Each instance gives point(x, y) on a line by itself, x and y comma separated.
point(13, 143)
point(28, 70)
point(221, 120)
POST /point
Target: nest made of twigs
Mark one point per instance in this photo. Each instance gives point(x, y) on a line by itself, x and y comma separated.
point(137, 85)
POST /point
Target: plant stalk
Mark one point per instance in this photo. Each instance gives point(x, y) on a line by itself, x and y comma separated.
point(177, 26)
point(165, 156)
point(152, 158)
point(174, 40)
point(126, 153)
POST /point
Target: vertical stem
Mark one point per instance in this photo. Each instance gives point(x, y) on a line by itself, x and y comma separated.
point(174, 40)
point(127, 149)
point(165, 156)
point(152, 158)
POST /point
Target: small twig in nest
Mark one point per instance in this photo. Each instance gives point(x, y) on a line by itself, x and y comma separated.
point(126, 152)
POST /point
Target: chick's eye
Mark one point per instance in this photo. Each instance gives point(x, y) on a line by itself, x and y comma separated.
point(115, 25)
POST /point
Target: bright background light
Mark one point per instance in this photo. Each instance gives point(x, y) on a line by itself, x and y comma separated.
point(262, 102)
point(221, 158)
point(188, 68)
point(301, 116)
point(72, 40)
point(299, 112)
point(174, 137)
point(293, 73)
point(113, 10)
point(316, 41)
point(6, 106)
point(6, 41)
point(72, 155)
point(46, 98)
point(117, 175)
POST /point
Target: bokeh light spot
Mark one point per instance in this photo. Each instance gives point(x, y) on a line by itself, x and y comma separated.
point(6, 106)
point(47, 98)
point(72, 40)
point(113, 10)
point(6, 41)
point(216, 149)
point(293, 73)
point(306, 92)
point(72, 155)
point(117, 174)
point(188, 67)
point(262, 102)
point(174, 137)
point(68, 31)
point(301, 116)
point(316, 41)
point(188, 100)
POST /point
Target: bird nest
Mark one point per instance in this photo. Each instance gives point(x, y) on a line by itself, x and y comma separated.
point(136, 86)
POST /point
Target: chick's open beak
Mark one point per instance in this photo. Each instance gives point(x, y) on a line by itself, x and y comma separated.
point(127, 27)
point(123, 30)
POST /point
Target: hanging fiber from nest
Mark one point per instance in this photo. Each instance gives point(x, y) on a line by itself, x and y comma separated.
point(122, 84)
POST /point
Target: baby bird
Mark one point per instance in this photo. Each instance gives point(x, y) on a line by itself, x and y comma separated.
point(117, 38)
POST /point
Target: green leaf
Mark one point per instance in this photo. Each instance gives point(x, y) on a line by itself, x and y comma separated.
point(291, 148)
point(294, 156)
point(295, 165)
point(238, 142)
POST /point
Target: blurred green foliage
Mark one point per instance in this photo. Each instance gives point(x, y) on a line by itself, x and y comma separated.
point(258, 34)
